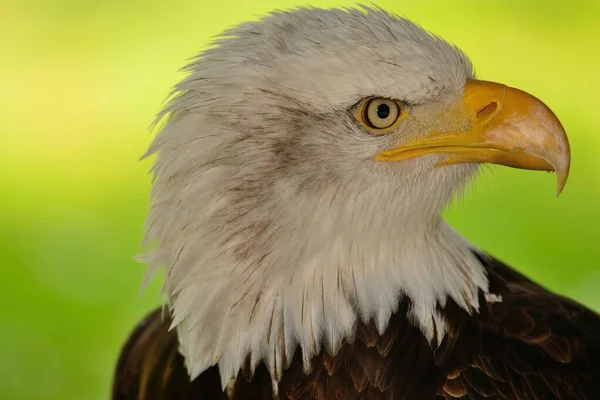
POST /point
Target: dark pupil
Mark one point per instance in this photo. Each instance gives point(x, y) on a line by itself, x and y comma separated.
point(383, 111)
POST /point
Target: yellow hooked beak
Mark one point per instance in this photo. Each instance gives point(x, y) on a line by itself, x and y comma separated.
point(505, 126)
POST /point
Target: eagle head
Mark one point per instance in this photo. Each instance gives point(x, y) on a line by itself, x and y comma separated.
point(300, 178)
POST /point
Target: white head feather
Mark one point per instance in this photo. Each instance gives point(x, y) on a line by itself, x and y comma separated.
point(276, 225)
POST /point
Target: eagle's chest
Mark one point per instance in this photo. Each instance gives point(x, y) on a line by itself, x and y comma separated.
point(399, 364)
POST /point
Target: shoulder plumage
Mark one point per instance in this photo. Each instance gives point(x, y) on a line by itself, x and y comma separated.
point(534, 344)
point(151, 368)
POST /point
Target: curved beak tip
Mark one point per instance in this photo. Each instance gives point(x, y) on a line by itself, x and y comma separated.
point(562, 174)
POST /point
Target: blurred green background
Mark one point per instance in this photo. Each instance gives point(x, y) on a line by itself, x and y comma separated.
point(80, 82)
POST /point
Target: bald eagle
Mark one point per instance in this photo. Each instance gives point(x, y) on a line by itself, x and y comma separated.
point(299, 181)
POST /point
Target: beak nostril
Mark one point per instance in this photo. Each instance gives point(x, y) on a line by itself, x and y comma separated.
point(487, 112)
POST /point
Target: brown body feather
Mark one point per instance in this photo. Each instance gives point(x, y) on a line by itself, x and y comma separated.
point(532, 345)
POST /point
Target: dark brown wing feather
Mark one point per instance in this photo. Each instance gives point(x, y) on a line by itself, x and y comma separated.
point(532, 345)
point(151, 368)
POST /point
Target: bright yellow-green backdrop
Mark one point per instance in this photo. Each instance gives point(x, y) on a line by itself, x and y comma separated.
point(80, 82)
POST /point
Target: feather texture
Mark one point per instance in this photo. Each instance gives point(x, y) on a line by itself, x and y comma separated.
point(532, 345)
point(276, 226)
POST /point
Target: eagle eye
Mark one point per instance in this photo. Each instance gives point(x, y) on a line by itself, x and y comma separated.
point(379, 115)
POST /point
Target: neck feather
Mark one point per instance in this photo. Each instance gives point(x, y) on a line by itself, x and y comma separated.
point(260, 313)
